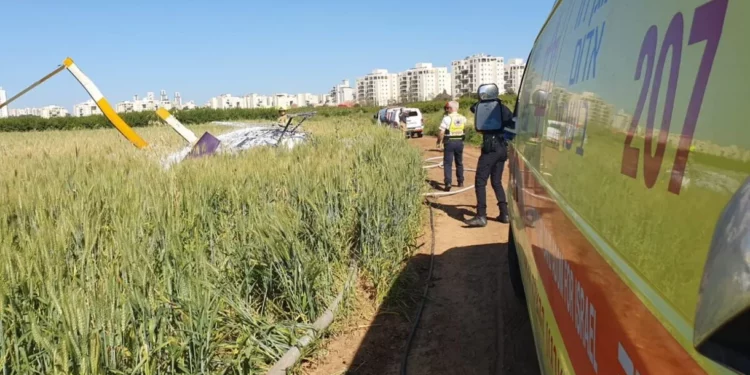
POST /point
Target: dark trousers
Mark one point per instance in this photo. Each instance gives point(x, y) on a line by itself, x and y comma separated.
point(491, 164)
point(453, 149)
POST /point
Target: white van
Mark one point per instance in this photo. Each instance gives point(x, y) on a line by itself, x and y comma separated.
point(414, 121)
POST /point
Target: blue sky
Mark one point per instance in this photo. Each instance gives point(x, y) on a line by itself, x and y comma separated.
point(206, 48)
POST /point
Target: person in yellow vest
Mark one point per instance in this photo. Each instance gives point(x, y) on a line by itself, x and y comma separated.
point(452, 137)
point(283, 118)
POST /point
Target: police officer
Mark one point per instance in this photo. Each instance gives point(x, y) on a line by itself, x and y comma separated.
point(283, 118)
point(452, 136)
point(491, 164)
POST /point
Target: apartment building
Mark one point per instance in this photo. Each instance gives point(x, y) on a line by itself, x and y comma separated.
point(87, 108)
point(308, 100)
point(226, 101)
point(325, 99)
point(279, 100)
point(378, 88)
point(18, 112)
point(342, 93)
point(513, 74)
point(148, 103)
point(423, 82)
point(177, 102)
point(257, 101)
point(284, 100)
point(51, 111)
point(3, 98)
point(476, 70)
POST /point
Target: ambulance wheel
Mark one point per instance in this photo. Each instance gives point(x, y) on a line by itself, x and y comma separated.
point(514, 269)
point(419, 135)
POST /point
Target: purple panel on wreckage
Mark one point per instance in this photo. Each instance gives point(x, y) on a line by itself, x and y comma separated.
point(206, 145)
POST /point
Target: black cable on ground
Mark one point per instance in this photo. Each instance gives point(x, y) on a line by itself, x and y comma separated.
point(404, 363)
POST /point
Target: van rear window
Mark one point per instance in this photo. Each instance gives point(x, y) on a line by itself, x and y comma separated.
point(412, 113)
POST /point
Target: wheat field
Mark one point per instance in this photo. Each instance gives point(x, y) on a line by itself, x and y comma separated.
point(113, 265)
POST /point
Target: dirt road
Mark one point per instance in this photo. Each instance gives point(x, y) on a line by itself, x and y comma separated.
point(471, 324)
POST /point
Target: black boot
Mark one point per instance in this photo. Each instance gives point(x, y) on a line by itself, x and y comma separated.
point(447, 187)
point(477, 222)
point(503, 217)
point(460, 184)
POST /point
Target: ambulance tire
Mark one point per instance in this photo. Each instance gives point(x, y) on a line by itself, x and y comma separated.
point(514, 270)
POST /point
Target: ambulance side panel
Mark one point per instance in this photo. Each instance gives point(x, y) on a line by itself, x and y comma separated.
point(631, 141)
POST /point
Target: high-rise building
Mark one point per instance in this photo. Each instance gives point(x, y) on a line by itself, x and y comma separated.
point(256, 101)
point(342, 93)
point(3, 98)
point(513, 74)
point(307, 100)
point(51, 111)
point(423, 82)
point(378, 88)
point(177, 100)
point(149, 103)
point(86, 108)
point(476, 70)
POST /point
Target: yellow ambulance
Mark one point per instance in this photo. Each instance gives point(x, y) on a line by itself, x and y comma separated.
point(629, 190)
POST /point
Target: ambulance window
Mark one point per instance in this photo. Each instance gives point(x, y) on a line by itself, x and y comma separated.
point(722, 319)
point(730, 345)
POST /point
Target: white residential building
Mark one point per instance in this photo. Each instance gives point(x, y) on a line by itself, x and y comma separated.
point(423, 82)
point(342, 93)
point(86, 108)
point(283, 100)
point(378, 88)
point(149, 103)
point(177, 103)
point(3, 98)
point(256, 101)
point(476, 70)
point(513, 74)
point(325, 99)
point(164, 101)
point(307, 100)
point(226, 101)
point(18, 112)
point(51, 111)
point(189, 105)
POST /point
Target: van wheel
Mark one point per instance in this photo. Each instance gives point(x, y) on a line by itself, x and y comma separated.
point(420, 135)
point(514, 269)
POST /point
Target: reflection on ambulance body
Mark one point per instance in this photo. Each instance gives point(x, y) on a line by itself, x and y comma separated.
point(611, 238)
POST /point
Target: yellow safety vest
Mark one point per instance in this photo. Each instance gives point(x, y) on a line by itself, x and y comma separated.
point(456, 128)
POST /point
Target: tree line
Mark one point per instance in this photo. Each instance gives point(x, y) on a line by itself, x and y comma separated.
point(206, 115)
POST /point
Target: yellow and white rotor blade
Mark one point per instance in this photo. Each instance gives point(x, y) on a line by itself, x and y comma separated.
point(103, 104)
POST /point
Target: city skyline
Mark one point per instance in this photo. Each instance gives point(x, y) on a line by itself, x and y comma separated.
point(401, 87)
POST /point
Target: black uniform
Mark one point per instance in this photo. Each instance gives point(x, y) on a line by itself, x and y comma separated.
point(454, 149)
point(490, 166)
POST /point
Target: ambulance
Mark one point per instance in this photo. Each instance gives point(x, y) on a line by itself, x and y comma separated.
point(630, 240)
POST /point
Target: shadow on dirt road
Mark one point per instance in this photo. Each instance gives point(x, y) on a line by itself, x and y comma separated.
point(471, 323)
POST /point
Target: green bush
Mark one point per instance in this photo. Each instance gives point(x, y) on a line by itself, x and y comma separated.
point(206, 115)
point(148, 118)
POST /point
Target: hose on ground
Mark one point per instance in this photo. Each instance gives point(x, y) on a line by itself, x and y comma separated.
point(405, 361)
point(293, 354)
point(436, 194)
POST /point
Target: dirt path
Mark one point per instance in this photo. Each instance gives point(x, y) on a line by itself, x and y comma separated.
point(471, 324)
